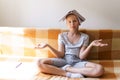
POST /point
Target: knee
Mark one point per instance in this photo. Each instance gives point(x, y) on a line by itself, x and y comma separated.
point(98, 71)
point(41, 64)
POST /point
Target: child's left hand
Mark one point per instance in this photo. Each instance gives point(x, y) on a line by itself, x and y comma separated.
point(98, 43)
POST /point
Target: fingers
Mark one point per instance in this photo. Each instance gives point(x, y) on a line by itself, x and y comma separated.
point(103, 45)
point(41, 45)
point(98, 40)
point(99, 43)
point(38, 46)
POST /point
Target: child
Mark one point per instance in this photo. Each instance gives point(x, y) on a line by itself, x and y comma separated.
point(72, 51)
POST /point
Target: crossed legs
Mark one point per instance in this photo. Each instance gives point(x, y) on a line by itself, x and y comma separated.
point(46, 66)
point(90, 69)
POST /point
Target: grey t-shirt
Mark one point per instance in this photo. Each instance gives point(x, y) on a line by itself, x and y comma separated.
point(70, 48)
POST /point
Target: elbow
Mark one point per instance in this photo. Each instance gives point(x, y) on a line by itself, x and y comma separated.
point(60, 56)
point(82, 57)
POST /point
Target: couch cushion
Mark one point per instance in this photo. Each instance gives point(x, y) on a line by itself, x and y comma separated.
point(21, 42)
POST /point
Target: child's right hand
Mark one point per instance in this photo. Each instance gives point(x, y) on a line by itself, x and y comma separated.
point(41, 45)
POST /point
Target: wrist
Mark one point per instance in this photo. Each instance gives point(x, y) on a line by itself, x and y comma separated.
point(91, 45)
point(47, 45)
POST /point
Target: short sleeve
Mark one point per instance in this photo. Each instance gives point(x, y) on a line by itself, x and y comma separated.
point(86, 40)
point(60, 39)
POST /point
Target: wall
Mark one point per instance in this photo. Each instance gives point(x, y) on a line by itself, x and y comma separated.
point(99, 14)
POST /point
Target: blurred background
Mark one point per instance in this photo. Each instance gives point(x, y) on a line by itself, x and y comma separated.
point(99, 14)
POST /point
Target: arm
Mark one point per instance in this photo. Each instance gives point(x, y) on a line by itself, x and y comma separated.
point(58, 53)
point(84, 51)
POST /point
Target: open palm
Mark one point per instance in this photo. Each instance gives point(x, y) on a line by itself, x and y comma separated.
point(41, 45)
point(98, 43)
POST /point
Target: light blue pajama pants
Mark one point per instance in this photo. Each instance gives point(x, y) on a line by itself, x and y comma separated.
point(70, 59)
